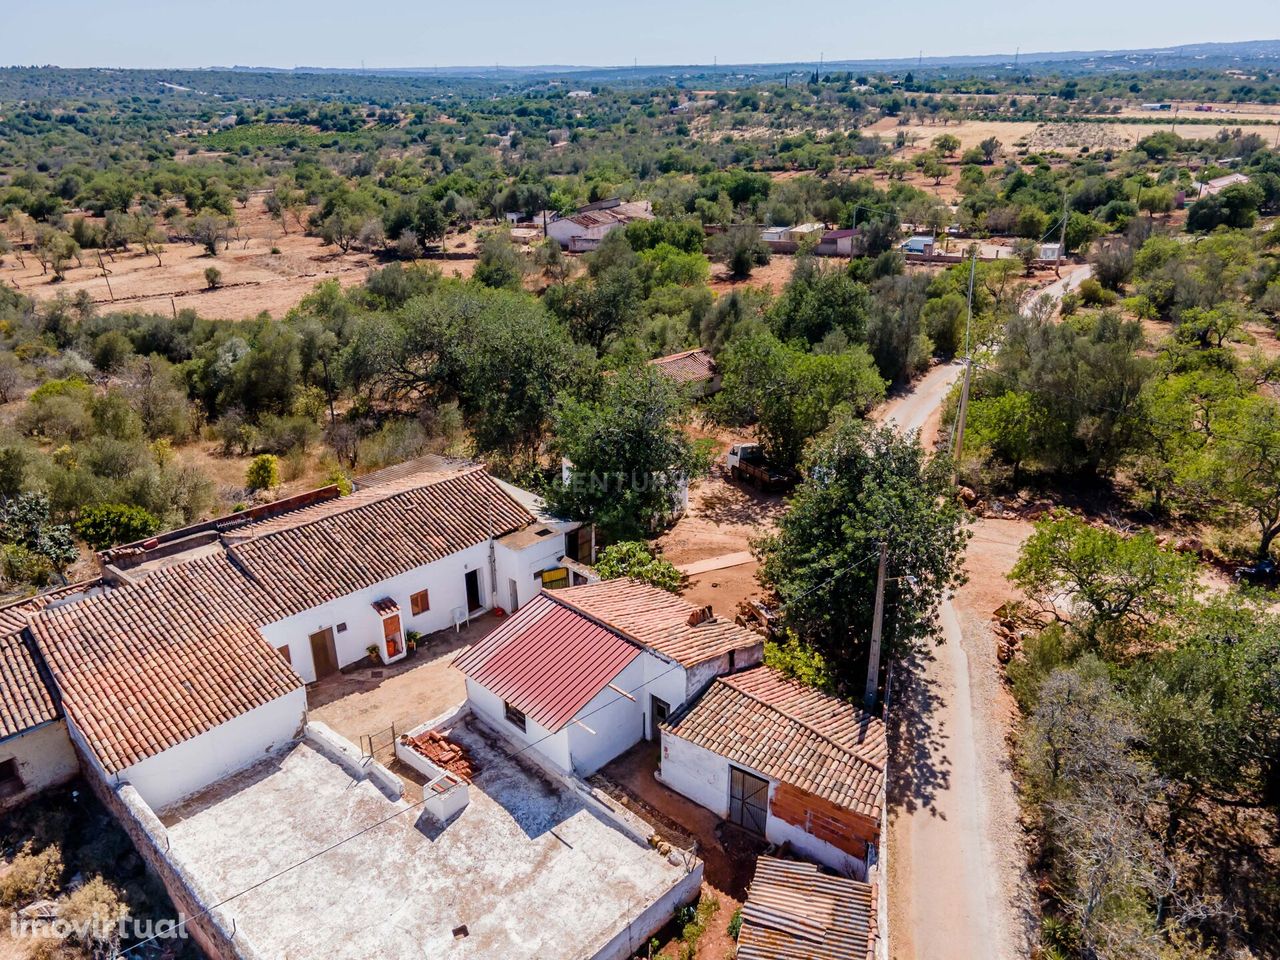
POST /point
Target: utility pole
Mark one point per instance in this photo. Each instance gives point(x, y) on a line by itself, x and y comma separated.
point(968, 368)
point(1062, 238)
point(877, 628)
point(102, 267)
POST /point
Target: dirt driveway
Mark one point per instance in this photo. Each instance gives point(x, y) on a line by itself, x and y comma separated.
point(722, 520)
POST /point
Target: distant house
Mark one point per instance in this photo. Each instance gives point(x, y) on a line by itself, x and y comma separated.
point(1215, 186)
point(785, 761)
point(583, 231)
point(919, 244)
point(837, 243)
point(774, 234)
point(803, 231)
point(1157, 106)
point(582, 674)
point(794, 911)
point(1050, 251)
point(694, 368)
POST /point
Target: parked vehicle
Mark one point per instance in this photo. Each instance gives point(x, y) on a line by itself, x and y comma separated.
point(1261, 574)
point(747, 462)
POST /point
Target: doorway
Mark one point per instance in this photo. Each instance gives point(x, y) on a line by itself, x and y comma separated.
point(324, 655)
point(515, 596)
point(474, 602)
point(659, 710)
point(748, 800)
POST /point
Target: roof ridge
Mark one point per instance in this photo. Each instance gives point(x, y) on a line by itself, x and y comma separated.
point(634, 641)
point(388, 491)
point(728, 678)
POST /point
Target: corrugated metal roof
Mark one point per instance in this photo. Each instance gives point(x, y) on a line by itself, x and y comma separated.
point(796, 912)
point(548, 661)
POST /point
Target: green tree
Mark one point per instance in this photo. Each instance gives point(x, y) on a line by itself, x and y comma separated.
point(792, 396)
point(500, 264)
point(1114, 587)
point(25, 522)
point(627, 452)
point(946, 144)
point(740, 249)
point(631, 558)
point(109, 524)
point(865, 486)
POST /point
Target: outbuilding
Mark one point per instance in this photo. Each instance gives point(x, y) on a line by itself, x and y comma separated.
point(785, 761)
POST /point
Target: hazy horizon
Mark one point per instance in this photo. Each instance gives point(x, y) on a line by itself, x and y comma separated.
point(325, 34)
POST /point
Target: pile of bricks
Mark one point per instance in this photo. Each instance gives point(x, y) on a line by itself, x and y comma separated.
point(444, 753)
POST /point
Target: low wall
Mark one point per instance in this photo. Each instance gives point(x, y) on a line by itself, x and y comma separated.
point(631, 940)
point(212, 932)
point(452, 796)
point(346, 755)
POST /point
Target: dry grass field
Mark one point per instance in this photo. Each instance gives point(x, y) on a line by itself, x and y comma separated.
point(263, 269)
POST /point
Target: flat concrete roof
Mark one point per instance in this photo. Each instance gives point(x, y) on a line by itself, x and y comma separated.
point(526, 866)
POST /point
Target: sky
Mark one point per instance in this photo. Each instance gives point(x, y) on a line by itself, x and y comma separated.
point(426, 33)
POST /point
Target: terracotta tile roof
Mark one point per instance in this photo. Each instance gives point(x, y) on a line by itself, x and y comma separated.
point(548, 661)
point(793, 733)
point(26, 699)
point(658, 619)
point(385, 606)
point(796, 912)
point(26, 691)
point(332, 549)
point(151, 664)
point(691, 366)
point(146, 667)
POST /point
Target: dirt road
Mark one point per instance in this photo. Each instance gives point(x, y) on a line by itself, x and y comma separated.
point(958, 885)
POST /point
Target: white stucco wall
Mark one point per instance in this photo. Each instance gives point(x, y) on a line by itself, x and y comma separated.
point(45, 759)
point(554, 747)
point(703, 777)
point(194, 764)
point(617, 722)
point(700, 675)
point(445, 578)
point(524, 566)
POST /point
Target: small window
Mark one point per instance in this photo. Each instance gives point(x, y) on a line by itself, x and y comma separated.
point(733, 657)
point(514, 717)
point(420, 602)
point(342, 628)
point(10, 782)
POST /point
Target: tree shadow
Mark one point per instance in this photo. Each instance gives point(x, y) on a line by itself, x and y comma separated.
point(733, 504)
point(918, 768)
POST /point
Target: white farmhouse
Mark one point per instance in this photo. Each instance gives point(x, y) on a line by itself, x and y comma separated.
point(190, 662)
point(582, 674)
point(583, 231)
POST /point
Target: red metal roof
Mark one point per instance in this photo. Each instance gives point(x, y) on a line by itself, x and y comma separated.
point(548, 661)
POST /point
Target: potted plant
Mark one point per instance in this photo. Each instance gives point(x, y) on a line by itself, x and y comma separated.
point(372, 651)
point(411, 639)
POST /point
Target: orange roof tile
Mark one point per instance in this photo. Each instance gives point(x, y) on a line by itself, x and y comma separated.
point(793, 733)
point(691, 366)
point(149, 665)
point(657, 619)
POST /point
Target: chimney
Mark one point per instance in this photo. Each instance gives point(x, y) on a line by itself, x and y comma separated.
point(700, 616)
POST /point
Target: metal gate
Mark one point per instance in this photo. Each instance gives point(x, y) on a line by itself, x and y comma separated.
point(748, 800)
point(378, 744)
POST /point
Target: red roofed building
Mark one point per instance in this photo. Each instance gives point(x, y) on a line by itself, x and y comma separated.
point(584, 673)
point(694, 368)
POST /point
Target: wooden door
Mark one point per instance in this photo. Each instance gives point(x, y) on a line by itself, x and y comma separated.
point(748, 800)
point(324, 655)
point(391, 635)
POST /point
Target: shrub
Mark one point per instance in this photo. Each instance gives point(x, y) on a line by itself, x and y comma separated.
point(32, 876)
point(213, 277)
point(735, 923)
point(95, 911)
point(109, 524)
point(339, 478)
point(263, 472)
point(631, 558)
point(280, 435)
